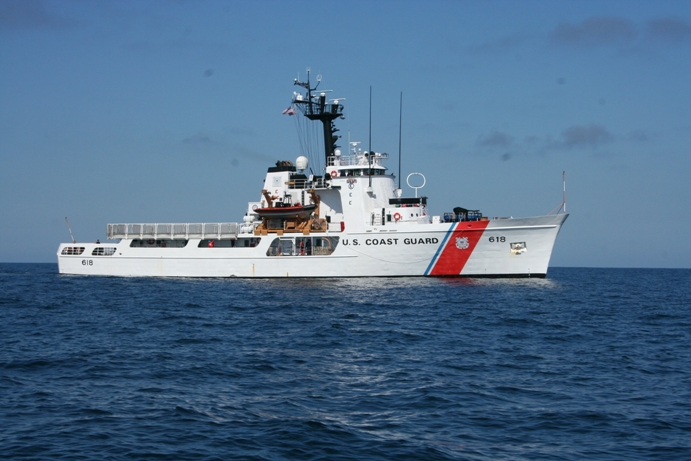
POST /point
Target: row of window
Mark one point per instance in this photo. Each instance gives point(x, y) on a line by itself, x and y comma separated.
point(103, 251)
point(98, 251)
point(283, 246)
point(72, 251)
point(230, 243)
point(204, 243)
point(158, 243)
point(302, 246)
point(363, 172)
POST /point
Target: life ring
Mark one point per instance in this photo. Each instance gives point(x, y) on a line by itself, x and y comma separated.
point(334, 173)
point(397, 216)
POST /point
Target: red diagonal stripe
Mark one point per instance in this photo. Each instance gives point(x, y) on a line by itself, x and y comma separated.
point(452, 260)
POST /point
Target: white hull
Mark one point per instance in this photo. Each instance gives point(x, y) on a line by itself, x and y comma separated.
point(398, 250)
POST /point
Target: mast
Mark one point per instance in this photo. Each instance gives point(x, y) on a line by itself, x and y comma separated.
point(316, 107)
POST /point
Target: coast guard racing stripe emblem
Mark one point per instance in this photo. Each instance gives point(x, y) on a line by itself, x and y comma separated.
point(456, 248)
point(462, 243)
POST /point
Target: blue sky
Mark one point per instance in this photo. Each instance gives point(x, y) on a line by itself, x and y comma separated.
point(170, 111)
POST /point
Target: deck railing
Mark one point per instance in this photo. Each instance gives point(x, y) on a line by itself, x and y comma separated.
point(174, 230)
point(316, 182)
point(357, 159)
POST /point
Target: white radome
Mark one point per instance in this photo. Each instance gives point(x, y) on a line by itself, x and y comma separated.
point(301, 163)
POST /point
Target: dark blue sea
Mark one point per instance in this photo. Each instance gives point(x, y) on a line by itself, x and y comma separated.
point(586, 364)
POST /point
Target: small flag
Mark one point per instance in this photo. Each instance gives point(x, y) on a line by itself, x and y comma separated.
point(289, 111)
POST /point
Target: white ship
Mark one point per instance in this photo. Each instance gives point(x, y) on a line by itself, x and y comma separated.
point(350, 220)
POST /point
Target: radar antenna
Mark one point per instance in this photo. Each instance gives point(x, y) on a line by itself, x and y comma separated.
point(317, 108)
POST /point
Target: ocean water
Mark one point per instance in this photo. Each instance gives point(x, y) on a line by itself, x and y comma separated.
point(585, 364)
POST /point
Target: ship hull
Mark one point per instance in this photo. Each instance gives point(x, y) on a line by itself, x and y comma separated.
point(496, 248)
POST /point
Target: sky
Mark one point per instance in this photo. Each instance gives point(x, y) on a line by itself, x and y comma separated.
point(170, 111)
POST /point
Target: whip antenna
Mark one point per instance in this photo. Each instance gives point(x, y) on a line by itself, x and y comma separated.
point(400, 127)
point(369, 156)
point(70, 229)
point(563, 180)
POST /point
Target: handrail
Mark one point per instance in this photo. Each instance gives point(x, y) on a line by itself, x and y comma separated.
point(316, 182)
point(357, 159)
point(177, 230)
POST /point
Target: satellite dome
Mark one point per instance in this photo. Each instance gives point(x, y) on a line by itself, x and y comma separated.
point(301, 163)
